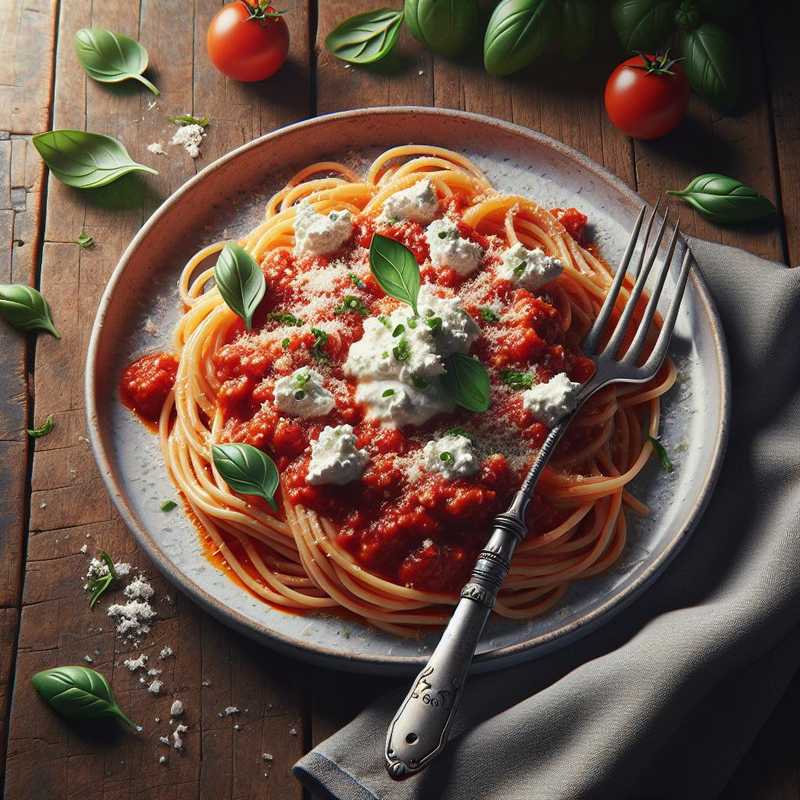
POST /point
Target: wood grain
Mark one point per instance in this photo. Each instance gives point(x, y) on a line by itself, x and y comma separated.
point(212, 667)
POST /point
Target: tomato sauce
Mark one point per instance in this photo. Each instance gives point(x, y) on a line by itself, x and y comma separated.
point(398, 520)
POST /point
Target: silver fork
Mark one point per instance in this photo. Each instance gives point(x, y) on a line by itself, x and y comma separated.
point(419, 730)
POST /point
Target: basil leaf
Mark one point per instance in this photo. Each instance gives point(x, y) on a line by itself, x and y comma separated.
point(26, 309)
point(188, 119)
point(110, 57)
point(580, 22)
point(723, 10)
point(395, 269)
point(518, 32)
point(725, 200)
point(45, 428)
point(466, 382)
point(240, 281)
point(444, 26)
point(247, 470)
point(712, 63)
point(85, 160)
point(644, 24)
point(85, 240)
point(365, 38)
point(78, 693)
point(661, 452)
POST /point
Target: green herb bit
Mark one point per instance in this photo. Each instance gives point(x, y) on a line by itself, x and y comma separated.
point(357, 282)
point(517, 380)
point(168, 505)
point(388, 393)
point(302, 378)
point(434, 323)
point(188, 119)
point(402, 351)
point(85, 240)
point(412, 323)
point(519, 269)
point(661, 452)
point(100, 584)
point(45, 428)
point(285, 318)
point(285, 343)
point(420, 383)
point(489, 314)
point(318, 348)
point(398, 330)
point(351, 303)
point(299, 394)
point(446, 456)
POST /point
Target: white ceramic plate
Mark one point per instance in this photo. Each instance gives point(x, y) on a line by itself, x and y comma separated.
point(226, 199)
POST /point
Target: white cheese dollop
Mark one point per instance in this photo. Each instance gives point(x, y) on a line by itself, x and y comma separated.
point(530, 269)
point(457, 330)
point(550, 401)
point(449, 249)
point(317, 234)
point(335, 457)
point(452, 455)
point(398, 358)
point(302, 394)
point(417, 203)
point(401, 404)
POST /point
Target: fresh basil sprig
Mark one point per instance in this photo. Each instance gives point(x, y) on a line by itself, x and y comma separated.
point(78, 693)
point(443, 26)
point(26, 309)
point(43, 429)
point(518, 32)
point(188, 119)
point(110, 57)
point(365, 38)
point(247, 470)
point(661, 453)
point(713, 64)
point(395, 269)
point(725, 200)
point(466, 382)
point(100, 584)
point(240, 281)
point(85, 160)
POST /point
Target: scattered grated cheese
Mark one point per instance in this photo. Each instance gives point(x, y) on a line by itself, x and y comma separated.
point(135, 663)
point(155, 686)
point(88, 659)
point(177, 739)
point(157, 148)
point(84, 548)
point(139, 589)
point(176, 709)
point(166, 652)
point(191, 137)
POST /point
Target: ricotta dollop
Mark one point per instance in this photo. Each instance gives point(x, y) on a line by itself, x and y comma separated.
point(452, 455)
point(530, 269)
point(302, 394)
point(449, 249)
point(551, 401)
point(318, 234)
point(398, 358)
point(417, 203)
point(335, 458)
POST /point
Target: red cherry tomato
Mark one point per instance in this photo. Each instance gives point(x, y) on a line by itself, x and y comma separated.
point(646, 96)
point(247, 41)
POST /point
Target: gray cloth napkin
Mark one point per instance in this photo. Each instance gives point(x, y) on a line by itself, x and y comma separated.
point(664, 700)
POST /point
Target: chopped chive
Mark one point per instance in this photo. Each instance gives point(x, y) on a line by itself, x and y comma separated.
point(168, 505)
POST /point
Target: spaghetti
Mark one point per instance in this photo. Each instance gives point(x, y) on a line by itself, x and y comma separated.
point(394, 545)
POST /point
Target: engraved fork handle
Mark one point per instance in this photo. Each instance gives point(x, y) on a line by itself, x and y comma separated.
point(419, 730)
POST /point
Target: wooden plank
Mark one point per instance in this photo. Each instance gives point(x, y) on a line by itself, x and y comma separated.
point(27, 41)
point(780, 23)
point(26, 55)
point(212, 668)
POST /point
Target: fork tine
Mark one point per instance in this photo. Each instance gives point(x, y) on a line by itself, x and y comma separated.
point(644, 326)
point(656, 358)
point(630, 306)
point(646, 239)
point(596, 331)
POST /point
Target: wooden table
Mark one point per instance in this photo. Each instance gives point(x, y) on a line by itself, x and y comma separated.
point(51, 499)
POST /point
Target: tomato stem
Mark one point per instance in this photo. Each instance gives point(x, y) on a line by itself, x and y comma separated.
point(660, 64)
point(262, 11)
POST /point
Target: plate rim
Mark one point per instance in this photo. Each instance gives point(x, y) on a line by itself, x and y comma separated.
point(389, 664)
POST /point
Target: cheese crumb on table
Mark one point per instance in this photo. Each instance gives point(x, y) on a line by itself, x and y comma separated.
point(191, 137)
point(157, 148)
point(177, 738)
point(176, 709)
point(155, 686)
point(166, 652)
point(135, 663)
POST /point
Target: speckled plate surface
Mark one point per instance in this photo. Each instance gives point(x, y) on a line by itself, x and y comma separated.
point(139, 308)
